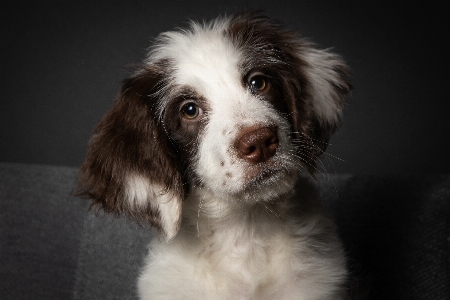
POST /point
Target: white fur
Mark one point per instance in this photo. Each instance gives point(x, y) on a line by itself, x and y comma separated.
point(139, 192)
point(229, 251)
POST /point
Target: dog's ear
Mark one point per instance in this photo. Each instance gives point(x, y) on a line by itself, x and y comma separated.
point(131, 166)
point(328, 81)
point(325, 81)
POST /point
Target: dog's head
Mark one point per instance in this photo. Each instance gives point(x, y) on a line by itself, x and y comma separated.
point(236, 106)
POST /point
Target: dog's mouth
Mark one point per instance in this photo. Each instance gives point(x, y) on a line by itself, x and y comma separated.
point(267, 173)
point(267, 182)
point(259, 174)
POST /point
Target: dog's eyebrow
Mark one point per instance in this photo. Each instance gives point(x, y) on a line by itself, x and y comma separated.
point(188, 93)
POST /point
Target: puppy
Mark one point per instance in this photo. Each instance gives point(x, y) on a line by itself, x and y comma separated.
point(206, 142)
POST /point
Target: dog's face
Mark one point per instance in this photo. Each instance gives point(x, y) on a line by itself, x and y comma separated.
point(224, 113)
point(236, 107)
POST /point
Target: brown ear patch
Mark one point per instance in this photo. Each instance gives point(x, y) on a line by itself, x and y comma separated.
point(130, 140)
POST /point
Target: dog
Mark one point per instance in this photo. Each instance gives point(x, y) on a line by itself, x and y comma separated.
point(210, 141)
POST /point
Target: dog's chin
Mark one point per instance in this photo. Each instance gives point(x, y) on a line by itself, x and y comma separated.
point(266, 184)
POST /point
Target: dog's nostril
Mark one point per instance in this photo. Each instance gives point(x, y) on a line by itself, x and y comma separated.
point(257, 144)
point(250, 150)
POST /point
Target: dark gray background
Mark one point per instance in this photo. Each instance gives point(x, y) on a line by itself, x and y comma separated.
point(62, 62)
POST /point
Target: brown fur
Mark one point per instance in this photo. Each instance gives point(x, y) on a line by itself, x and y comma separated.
point(129, 139)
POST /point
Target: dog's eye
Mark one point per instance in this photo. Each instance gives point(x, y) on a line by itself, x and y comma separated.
point(258, 83)
point(191, 111)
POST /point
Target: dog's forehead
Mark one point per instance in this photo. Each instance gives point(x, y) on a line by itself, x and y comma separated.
point(209, 64)
point(207, 61)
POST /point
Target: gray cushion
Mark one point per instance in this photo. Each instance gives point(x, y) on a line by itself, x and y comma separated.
point(52, 247)
point(395, 229)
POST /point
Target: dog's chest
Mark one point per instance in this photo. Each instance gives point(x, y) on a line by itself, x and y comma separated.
point(272, 260)
point(246, 256)
point(243, 264)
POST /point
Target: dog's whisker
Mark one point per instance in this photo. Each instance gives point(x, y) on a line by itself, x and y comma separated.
point(305, 160)
point(333, 156)
point(313, 139)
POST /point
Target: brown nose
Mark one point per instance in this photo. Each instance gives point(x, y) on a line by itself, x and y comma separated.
point(257, 144)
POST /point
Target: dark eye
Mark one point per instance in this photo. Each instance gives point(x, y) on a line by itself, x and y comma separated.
point(258, 83)
point(191, 111)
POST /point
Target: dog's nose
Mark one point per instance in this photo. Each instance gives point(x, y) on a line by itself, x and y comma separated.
point(257, 145)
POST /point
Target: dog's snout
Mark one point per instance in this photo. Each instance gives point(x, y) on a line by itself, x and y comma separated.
point(257, 145)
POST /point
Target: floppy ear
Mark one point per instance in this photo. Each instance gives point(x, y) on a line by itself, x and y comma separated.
point(131, 166)
point(326, 81)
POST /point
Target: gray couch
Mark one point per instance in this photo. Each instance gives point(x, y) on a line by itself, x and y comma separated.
point(396, 230)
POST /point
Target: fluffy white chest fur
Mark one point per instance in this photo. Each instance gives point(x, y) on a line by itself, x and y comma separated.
point(207, 142)
point(246, 253)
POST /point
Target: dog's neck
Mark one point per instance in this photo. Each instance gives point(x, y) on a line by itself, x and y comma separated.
point(206, 215)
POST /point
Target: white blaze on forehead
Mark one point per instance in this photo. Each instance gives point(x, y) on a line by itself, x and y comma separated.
point(202, 58)
point(210, 64)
